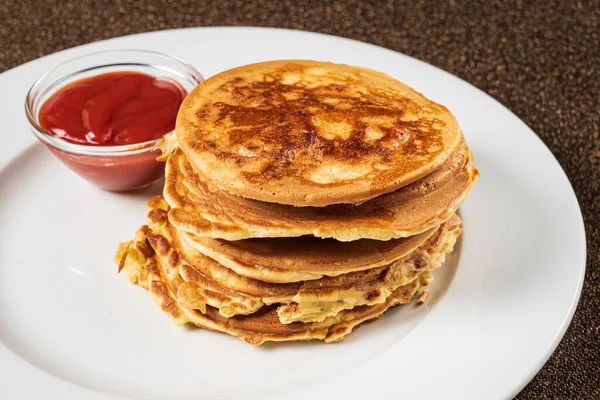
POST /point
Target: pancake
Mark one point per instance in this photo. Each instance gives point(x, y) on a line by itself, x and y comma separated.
point(255, 328)
point(285, 260)
point(206, 282)
point(289, 265)
point(310, 300)
point(309, 259)
point(308, 133)
point(422, 205)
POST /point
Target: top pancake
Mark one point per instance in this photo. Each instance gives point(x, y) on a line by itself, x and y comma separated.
point(308, 133)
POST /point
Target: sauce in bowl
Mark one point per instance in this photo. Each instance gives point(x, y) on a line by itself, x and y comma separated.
point(108, 115)
point(113, 109)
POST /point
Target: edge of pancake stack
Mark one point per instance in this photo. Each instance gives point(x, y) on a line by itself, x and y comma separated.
point(301, 199)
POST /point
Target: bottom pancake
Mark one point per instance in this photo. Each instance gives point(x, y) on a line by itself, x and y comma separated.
point(264, 325)
point(206, 282)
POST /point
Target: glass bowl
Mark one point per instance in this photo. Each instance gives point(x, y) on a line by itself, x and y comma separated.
point(114, 168)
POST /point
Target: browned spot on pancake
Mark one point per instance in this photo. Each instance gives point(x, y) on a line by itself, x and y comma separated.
point(158, 243)
point(372, 295)
point(219, 297)
point(167, 304)
point(152, 266)
point(157, 216)
point(172, 260)
point(276, 121)
point(145, 248)
point(421, 261)
point(192, 274)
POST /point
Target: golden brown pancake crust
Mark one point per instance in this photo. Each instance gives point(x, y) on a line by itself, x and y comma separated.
point(206, 282)
point(308, 254)
point(164, 283)
point(308, 133)
point(422, 205)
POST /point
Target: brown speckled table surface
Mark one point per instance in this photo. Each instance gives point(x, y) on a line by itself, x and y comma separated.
point(540, 58)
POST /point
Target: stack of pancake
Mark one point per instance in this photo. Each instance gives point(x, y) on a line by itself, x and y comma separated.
point(301, 199)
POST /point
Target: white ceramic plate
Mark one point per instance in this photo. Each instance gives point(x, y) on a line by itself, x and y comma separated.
point(71, 328)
